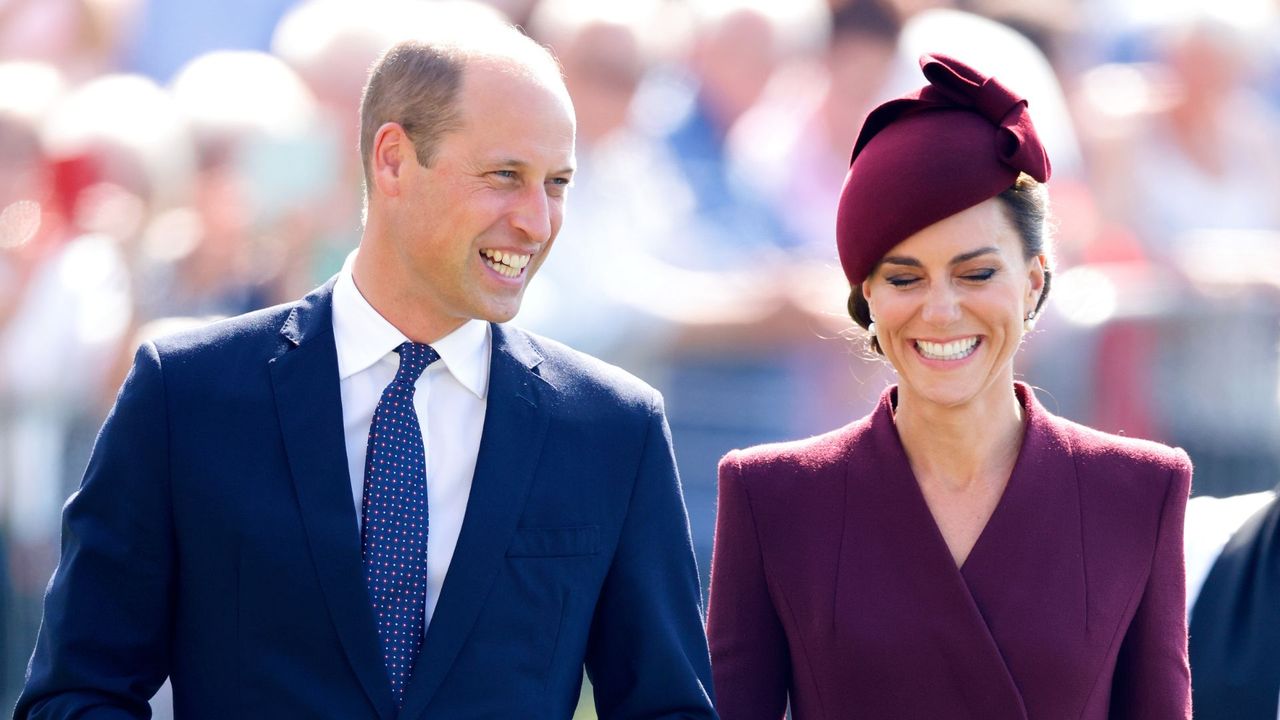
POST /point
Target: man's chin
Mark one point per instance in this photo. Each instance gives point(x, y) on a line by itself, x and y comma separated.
point(499, 313)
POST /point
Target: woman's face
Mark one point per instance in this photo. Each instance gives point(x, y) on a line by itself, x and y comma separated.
point(949, 302)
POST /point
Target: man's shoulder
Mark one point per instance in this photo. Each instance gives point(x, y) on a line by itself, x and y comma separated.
point(268, 331)
point(219, 334)
point(257, 331)
point(584, 376)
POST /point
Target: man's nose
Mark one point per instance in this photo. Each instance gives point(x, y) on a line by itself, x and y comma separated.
point(532, 214)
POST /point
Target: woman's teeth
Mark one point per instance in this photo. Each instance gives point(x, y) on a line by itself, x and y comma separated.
point(954, 350)
point(505, 263)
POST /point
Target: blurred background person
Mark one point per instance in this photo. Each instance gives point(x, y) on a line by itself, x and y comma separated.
point(733, 50)
point(1204, 132)
point(81, 38)
point(1185, 157)
point(265, 160)
point(165, 35)
point(792, 145)
point(112, 155)
point(29, 229)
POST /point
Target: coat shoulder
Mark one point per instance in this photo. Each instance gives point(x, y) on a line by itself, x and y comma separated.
point(1094, 445)
point(784, 466)
point(1117, 466)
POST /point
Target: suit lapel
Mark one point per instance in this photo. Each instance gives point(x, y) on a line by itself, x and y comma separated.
point(309, 406)
point(515, 425)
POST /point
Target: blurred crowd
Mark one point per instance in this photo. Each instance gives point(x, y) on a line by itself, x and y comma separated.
point(165, 162)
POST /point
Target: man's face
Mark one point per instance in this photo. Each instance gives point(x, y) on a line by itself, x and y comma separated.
point(472, 229)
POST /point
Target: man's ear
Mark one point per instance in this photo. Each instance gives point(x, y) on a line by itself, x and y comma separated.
point(392, 149)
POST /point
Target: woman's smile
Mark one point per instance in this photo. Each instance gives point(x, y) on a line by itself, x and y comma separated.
point(948, 351)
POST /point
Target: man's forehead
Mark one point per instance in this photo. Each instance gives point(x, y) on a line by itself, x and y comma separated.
point(506, 74)
point(492, 96)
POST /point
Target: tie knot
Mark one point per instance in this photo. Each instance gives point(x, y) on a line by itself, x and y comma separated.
point(414, 358)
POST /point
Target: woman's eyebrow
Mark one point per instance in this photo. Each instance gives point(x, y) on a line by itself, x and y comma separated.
point(962, 257)
point(899, 260)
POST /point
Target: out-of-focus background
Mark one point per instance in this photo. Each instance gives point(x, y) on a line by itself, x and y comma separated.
point(164, 162)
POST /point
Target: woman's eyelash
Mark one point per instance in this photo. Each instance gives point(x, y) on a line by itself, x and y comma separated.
point(975, 276)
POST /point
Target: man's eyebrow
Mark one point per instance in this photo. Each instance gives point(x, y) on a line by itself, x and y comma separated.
point(521, 164)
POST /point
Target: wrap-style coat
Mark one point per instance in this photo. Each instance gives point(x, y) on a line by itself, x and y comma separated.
point(832, 586)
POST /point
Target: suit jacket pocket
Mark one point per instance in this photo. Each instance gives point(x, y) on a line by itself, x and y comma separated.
point(555, 542)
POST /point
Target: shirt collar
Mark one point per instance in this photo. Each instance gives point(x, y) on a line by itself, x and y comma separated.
point(363, 337)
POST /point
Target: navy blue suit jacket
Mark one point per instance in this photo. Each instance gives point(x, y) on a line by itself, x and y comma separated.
point(214, 540)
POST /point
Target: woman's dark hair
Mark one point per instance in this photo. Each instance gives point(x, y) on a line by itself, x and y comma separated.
point(1027, 206)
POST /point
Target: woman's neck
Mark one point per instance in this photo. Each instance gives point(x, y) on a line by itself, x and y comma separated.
point(958, 446)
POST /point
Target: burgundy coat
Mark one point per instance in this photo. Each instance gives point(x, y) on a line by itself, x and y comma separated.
point(832, 585)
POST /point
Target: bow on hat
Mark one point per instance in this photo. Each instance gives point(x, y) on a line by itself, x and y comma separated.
point(956, 142)
point(1016, 142)
point(953, 84)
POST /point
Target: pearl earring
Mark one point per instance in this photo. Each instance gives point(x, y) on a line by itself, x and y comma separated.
point(1029, 323)
point(872, 328)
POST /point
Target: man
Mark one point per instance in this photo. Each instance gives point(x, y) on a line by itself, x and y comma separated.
point(1233, 597)
point(254, 518)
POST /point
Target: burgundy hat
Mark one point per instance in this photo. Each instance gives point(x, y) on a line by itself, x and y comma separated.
point(930, 154)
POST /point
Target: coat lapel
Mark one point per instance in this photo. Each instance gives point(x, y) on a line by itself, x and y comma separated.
point(515, 425)
point(904, 611)
point(309, 406)
point(1027, 568)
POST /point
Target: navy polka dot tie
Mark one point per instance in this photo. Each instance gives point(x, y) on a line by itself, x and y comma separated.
point(393, 538)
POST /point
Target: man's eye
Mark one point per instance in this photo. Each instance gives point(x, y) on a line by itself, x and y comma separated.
point(506, 174)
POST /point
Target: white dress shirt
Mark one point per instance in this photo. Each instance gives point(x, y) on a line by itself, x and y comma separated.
point(1210, 523)
point(450, 398)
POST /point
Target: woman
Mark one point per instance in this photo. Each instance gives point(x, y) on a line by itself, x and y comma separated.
point(961, 552)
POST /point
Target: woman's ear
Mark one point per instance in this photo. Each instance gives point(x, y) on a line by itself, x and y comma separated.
point(1036, 279)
